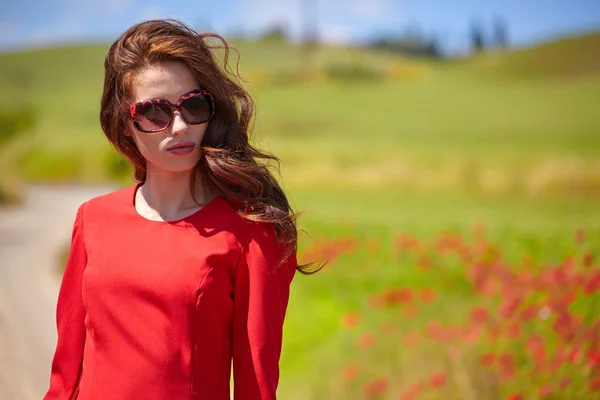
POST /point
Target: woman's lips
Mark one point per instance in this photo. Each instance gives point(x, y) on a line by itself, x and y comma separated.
point(182, 149)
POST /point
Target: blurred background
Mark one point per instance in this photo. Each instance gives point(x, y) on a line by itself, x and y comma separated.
point(445, 156)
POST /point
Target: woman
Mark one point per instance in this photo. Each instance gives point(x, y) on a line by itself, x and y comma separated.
point(171, 279)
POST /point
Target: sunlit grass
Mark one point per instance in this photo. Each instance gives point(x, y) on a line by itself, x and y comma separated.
point(455, 127)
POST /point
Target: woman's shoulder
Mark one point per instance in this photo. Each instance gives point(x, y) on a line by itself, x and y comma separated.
point(230, 214)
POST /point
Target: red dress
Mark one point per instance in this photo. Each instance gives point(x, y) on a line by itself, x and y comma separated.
point(154, 310)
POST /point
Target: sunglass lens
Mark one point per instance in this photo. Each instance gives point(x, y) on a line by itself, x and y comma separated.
point(153, 116)
point(196, 110)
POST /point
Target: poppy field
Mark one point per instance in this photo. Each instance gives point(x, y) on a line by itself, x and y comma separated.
point(459, 314)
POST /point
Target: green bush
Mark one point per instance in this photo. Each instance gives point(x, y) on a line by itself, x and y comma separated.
point(14, 121)
point(353, 72)
point(116, 166)
point(43, 164)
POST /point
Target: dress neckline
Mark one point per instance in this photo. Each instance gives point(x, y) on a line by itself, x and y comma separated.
point(185, 221)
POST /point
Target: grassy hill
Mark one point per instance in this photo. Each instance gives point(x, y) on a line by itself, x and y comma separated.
point(359, 115)
point(572, 57)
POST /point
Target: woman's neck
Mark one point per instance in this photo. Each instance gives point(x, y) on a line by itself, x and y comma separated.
point(168, 195)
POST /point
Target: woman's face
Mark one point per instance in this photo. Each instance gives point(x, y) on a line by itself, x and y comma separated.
point(168, 80)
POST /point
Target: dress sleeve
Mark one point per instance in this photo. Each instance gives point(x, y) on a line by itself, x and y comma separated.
point(261, 294)
point(70, 314)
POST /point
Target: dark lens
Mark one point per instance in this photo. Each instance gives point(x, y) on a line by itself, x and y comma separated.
point(153, 116)
point(196, 110)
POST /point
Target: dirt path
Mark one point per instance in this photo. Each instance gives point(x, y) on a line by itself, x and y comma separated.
point(31, 238)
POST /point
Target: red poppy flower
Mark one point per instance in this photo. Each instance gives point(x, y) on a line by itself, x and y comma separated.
point(438, 380)
point(487, 359)
point(376, 387)
point(428, 295)
point(479, 315)
point(351, 319)
point(366, 340)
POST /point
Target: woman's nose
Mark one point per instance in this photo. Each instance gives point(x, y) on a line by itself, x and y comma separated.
point(179, 125)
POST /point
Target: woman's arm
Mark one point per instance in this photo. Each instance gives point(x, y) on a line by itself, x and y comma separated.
point(261, 296)
point(70, 314)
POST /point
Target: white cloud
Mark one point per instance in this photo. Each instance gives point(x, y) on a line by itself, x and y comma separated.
point(71, 26)
point(41, 37)
point(68, 30)
point(371, 9)
point(335, 34)
point(257, 15)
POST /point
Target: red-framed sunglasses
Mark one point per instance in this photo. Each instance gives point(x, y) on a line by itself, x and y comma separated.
point(155, 115)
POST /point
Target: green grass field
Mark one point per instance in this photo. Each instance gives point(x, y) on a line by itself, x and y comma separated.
point(509, 141)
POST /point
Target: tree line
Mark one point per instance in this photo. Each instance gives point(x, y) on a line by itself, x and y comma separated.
point(412, 41)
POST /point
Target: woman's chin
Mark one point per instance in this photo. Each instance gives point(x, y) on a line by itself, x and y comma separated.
point(182, 165)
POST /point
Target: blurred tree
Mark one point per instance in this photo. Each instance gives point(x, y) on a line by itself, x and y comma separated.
point(411, 42)
point(500, 33)
point(237, 33)
point(311, 34)
point(276, 33)
point(433, 48)
point(14, 120)
point(477, 39)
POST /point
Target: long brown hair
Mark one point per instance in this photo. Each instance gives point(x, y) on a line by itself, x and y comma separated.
point(228, 164)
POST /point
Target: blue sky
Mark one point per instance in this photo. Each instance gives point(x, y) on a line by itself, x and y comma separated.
point(30, 23)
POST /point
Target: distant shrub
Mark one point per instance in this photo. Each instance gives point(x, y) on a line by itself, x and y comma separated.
point(116, 167)
point(276, 33)
point(283, 76)
point(257, 76)
point(43, 164)
point(296, 76)
point(15, 120)
point(286, 77)
point(339, 71)
point(352, 72)
point(406, 73)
